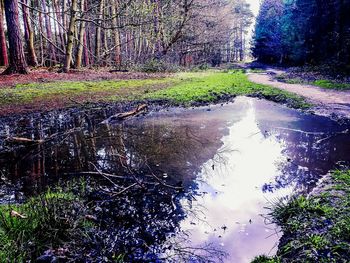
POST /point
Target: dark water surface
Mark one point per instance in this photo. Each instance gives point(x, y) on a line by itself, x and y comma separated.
point(232, 161)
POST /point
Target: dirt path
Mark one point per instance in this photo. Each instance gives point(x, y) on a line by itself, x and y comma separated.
point(328, 102)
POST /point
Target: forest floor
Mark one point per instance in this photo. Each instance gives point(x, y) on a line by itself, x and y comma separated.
point(329, 101)
point(44, 75)
point(42, 91)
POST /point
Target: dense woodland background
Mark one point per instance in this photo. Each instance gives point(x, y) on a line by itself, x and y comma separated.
point(158, 34)
point(119, 33)
point(303, 31)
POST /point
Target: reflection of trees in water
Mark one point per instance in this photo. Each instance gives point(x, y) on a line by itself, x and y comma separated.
point(142, 225)
point(309, 156)
point(71, 144)
point(138, 223)
point(181, 250)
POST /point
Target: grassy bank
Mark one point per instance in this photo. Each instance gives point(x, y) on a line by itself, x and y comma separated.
point(53, 220)
point(309, 80)
point(317, 228)
point(182, 88)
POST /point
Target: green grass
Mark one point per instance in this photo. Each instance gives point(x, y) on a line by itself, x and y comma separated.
point(315, 229)
point(210, 86)
point(182, 88)
point(328, 84)
point(322, 83)
point(51, 220)
point(26, 93)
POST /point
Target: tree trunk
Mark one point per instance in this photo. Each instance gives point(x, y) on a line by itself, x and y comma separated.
point(50, 48)
point(79, 56)
point(29, 36)
point(3, 48)
point(58, 28)
point(86, 52)
point(69, 49)
point(98, 33)
point(17, 60)
point(118, 59)
point(64, 20)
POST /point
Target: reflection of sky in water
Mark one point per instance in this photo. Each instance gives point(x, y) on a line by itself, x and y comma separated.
point(232, 195)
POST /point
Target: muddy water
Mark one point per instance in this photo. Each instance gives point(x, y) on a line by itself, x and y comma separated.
point(232, 161)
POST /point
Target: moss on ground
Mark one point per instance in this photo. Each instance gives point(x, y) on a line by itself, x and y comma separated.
point(317, 228)
point(182, 88)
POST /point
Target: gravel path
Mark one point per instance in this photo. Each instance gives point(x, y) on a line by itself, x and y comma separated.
point(328, 102)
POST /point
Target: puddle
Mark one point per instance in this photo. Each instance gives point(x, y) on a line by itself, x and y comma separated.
point(232, 160)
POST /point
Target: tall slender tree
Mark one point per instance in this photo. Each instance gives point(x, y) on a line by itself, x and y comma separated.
point(17, 62)
point(79, 56)
point(71, 32)
point(29, 34)
point(3, 47)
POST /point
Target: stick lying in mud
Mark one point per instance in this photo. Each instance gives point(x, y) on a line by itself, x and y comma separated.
point(125, 115)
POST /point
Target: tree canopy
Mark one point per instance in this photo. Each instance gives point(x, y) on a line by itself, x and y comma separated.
point(122, 34)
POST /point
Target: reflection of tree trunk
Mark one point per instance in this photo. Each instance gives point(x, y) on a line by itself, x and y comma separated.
point(77, 147)
point(92, 134)
point(122, 152)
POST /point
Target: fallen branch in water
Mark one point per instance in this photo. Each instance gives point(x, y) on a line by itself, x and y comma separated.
point(104, 176)
point(125, 115)
point(331, 135)
point(312, 133)
point(99, 173)
point(124, 190)
point(21, 140)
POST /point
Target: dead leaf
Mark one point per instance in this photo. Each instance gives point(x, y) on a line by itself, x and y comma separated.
point(18, 215)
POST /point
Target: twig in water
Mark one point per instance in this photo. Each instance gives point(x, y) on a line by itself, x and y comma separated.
point(104, 176)
point(161, 181)
point(125, 189)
